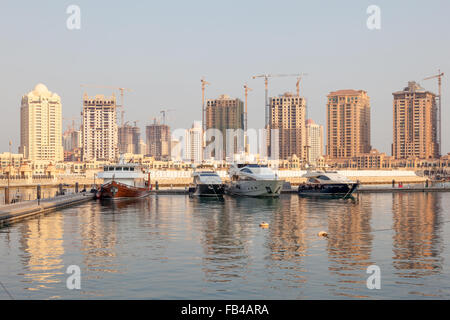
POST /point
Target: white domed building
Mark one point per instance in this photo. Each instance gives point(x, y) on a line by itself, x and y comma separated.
point(41, 125)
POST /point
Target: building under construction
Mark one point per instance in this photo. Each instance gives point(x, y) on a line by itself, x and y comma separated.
point(287, 114)
point(99, 128)
point(158, 141)
point(129, 139)
point(223, 114)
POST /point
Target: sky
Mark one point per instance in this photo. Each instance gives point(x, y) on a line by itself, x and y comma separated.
point(161, 50)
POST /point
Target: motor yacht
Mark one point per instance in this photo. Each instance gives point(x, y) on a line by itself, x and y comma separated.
point(254, 180)
point(326, 183)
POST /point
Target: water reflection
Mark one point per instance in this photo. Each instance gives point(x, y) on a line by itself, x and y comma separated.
point(42, 244)
point(98, 238)
point(349, 245)
point(417, 244)
point(225, 236)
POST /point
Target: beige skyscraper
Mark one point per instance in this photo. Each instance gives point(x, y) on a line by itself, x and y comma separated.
point(41, 125)
point(223, 114)
point(348, 123)
point(414, 125)
point(100, 138)
point(287, 114)
point(315, 141)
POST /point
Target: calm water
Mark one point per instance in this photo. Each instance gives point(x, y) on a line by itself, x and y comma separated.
point(175, 247)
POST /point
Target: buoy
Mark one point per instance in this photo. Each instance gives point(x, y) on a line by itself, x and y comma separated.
point(323, 234)
point(264, 225)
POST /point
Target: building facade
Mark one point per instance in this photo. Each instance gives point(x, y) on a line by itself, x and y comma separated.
point(158, 141)
point(314, 136)
point(348, 123)
point(223, 114)
point(415, 123)
point(193, 147)
point(288, 115)
point(41, 125)
point(100, 136)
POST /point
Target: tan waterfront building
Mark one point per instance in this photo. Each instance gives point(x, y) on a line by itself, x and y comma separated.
point(100, 137)
point(348, 123)
point(415, 123)
point(226, 113)
point(288, 115)
point(41, 125)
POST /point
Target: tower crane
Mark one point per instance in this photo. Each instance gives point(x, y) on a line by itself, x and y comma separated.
point(71, 128)
point(164, 112)
point(266, 83)
point(246, 90)
point(122, 90)
point(299, 78)
point(439, 112)
point(204, 84)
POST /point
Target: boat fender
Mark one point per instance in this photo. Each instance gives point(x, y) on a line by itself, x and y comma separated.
point(264, 225)
point(323, 234)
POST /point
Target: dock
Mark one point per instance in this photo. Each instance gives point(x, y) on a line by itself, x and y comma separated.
point(362, 189)
point(24, 210)
point(400, 190)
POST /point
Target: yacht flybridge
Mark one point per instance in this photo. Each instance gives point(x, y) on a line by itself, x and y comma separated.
point(255, 180)
point(326, 183)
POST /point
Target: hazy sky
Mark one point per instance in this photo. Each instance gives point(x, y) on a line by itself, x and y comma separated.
point(161, 49)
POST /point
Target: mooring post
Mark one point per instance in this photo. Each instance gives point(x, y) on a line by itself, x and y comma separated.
point(38, 194)
point(6, 195)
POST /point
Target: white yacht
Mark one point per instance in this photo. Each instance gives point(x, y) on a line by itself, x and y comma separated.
point(254, 180)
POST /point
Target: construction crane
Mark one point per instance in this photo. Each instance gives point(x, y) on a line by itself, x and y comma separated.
point(297, 85)
point(204, 84)
point(246, 90)
point(122, 90)
point(71, 128)
point(439, 135)
point(266, 83)
point(164, 112)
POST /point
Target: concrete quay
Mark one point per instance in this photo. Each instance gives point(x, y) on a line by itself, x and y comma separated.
point(362, 189)
point(24, 210)
point(403, 189)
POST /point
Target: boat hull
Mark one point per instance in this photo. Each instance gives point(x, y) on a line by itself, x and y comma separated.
point(255, 188)
point(116, 190)
point(332, 189)
point(208, 190)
